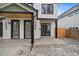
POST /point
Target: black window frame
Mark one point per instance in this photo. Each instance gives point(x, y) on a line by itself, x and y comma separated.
point(48, 11)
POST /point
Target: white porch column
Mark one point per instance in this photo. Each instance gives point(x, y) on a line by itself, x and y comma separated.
point(21, 29)
point(52, 29)
point(6, 29)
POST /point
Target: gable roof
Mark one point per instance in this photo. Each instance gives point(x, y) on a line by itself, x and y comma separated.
point(22, 5)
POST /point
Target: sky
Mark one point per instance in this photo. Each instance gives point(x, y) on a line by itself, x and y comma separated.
point(64, 7)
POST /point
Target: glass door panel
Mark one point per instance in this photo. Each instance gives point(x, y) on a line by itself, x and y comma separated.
point(45, 29)
point(15, 28)
point(27, 29)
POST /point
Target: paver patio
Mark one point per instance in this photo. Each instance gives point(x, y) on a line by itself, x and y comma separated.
point(42, 47)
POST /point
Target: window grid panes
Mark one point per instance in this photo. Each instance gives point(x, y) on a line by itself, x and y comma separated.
point(47, 8)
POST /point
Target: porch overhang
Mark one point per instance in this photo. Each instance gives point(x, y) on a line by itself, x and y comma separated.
point(17, 10)
point(20, 15)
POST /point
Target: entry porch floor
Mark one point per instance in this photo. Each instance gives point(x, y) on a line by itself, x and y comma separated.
point(45, 46)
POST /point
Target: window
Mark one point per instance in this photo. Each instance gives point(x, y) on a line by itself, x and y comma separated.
point(47, 8)
point(71, 14)
point(77, 12)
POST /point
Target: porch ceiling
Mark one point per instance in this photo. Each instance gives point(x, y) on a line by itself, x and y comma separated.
point(16, 15)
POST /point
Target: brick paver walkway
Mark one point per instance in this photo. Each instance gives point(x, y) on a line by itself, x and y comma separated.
point(42, 47)
point(49, 50)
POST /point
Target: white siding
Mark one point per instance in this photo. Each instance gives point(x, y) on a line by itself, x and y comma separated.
point(67, 21)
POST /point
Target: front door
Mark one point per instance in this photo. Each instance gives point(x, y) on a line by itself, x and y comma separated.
point(45, 29)
point(15, 29)
point(27, 29)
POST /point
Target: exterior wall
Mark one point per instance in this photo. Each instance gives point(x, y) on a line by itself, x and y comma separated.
point(6, 29)
point(76, 17)
point(37, 23)
point(52, 29)
point(66, 22)
point(37, 26)
point(37, 29)
point(40, 15)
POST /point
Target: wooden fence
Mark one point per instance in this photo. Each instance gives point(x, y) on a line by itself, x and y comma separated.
point(72, 33)
point(68, 33)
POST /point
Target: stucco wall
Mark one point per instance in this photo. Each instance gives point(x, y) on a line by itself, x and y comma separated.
point(37, 25)
point(37, 31)
point(40, 15)
point(52, 29)
point(7, 29)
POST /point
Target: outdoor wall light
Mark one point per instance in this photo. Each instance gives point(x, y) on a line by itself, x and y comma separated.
point(9, 23)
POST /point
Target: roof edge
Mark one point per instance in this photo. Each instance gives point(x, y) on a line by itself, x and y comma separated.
point(64, 14)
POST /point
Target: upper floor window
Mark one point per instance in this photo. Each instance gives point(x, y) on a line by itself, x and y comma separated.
point(47, 8)
point(71, 14)
point(77, 12)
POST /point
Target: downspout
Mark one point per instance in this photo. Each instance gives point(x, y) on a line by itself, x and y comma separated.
point(56, 27)
point(32, 39)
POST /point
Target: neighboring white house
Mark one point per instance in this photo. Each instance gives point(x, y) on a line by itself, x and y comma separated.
point(69, 19)
point(27, 20)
